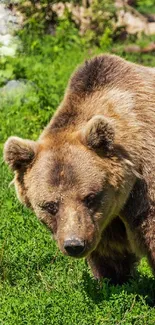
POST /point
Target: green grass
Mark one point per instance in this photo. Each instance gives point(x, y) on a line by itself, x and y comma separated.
point(37, 284)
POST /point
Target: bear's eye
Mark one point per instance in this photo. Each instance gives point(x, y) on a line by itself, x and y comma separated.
point(91, 200)
point(50, 207)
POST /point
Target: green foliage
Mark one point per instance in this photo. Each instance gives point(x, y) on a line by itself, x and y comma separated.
point(105, 41)
point(103, 13)
point(146, 6)
point(39, 16)
point(146, 3)
point(35, 42)
point(101, 28)
point(6, 73)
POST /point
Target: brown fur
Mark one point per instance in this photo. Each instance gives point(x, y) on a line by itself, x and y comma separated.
point(90, 176)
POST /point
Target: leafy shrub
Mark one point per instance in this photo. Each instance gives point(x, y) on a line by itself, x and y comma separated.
point(91, 22)
point(145, 6)
point(65, 37)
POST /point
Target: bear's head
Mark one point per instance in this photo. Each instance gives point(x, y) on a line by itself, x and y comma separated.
point(75, 182)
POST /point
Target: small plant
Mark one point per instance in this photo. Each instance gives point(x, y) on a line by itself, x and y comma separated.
point(146, 6)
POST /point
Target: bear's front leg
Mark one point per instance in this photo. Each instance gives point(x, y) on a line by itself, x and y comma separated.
point(139, 216)
point(113, 258)
point(118, 268)
point(146, 236)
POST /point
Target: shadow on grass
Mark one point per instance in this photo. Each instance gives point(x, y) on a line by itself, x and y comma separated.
point(140, 285)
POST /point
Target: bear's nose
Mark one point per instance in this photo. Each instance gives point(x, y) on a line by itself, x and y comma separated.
point(74, 247)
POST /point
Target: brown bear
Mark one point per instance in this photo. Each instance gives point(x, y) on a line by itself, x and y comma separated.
point(90, 176)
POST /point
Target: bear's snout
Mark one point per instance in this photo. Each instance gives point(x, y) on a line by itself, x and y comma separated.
point(74, 246)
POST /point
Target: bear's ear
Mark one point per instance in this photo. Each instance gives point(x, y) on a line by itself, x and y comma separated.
point(19, 153)
point(99, 134)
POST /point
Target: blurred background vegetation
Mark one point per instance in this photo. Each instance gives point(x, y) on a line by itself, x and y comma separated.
point(95, 22)
point(56, 36)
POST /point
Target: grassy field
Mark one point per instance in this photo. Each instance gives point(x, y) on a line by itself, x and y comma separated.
point(37, 284)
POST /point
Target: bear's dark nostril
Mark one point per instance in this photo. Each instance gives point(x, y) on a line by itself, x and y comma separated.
point(74, 247)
